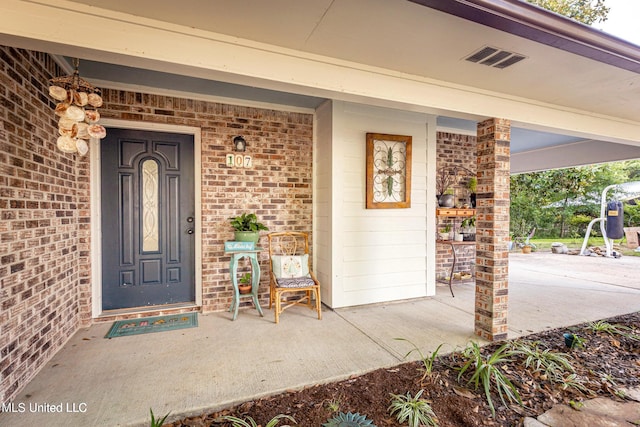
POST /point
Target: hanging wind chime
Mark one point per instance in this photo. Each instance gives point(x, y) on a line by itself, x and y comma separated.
point(77, 112)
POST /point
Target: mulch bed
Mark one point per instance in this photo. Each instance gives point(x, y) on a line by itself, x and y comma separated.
point(604, 365)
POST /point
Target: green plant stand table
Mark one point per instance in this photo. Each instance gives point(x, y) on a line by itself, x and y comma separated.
point(255, 278)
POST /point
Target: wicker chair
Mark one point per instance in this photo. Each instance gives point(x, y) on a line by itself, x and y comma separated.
point(291, 280)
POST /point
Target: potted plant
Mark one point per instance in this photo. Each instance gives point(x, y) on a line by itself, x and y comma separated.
point(458, 236)
point(247, 228)
point(469, 225)
point(469, 229)
point(471, 186)
point(521, 235)
point(447, 199)
point(244, 286)
point(444, 232)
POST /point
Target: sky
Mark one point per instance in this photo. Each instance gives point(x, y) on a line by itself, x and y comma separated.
point(623, 20)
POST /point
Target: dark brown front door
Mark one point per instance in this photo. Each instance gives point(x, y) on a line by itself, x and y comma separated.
point(148, 221)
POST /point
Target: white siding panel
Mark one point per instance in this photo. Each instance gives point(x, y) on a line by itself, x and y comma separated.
point(352, 178)
point(419, 169)
point(355, 194)
point(378, 254)
point(385, 253)
point(322, 209)
point(376, 267)
point(393, 280)
point(419, 199)
point(399, 222)
point(375, 295)
point(322, 223)
point(378, 238)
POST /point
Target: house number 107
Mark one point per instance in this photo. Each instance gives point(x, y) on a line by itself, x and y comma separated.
point(239, 161)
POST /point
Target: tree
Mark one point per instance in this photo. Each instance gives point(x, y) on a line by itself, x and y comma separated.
point(567, 185)
point(561, 202)
point(534, 193)
point(632, 168)
point(526, 205)
point(585, 11)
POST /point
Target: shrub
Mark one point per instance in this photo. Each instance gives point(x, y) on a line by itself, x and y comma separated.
point(487, 372)
point(551, 364)
point(349, 420)
point(414, 410)
point(427, 361)
point(250, 422)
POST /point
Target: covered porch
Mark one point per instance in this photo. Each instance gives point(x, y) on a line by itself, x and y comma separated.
point(307, 88)
point(220, 363)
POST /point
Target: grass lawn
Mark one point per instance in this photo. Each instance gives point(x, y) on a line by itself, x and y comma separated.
point(576, 243)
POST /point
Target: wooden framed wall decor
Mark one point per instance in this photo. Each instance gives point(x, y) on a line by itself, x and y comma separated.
point(388, 171)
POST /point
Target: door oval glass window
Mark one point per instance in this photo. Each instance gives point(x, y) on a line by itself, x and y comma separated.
point(150, 213)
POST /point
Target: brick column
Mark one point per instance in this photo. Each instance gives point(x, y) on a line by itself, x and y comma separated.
point(492, 229)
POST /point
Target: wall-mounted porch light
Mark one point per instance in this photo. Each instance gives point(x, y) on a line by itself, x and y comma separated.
point(239, 143)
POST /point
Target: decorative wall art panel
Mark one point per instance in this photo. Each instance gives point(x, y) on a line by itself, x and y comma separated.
point(388, 171)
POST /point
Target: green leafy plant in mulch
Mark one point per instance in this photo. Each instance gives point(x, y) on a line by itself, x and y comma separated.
point(486, 371)
point(333, 405)
point(574, 381)
point(607, 378)
point(551, 364)
point(159, 421)
point(612, 330)
point(606, 327)
point(250, 422)
point(427, 361)
point(413, 410)
point(577, 405)
point(578, 342)
point(573, 341)
point(348, 420)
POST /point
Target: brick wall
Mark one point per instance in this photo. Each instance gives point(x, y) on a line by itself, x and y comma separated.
point(45, 240)
point(492, 279)
point(455, 150)
point(41, 195)
point(278, 186)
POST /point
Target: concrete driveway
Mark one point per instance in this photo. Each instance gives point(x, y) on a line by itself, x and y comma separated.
point(548, 290)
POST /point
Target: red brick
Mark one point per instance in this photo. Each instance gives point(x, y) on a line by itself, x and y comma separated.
point(493, 210)
point(45, 203)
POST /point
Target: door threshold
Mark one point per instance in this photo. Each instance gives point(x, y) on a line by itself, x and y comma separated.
point(152, 310)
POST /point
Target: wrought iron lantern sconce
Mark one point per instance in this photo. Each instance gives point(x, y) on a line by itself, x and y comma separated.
point(239, 144)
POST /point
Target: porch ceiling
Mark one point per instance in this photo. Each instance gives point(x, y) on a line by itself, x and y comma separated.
point(421, 39)
point(534, 150)
point(410, 38)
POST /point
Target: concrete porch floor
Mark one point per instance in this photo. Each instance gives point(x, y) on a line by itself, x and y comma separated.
point(115, 382)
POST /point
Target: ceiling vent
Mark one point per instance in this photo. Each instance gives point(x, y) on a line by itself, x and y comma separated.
point(494, 57)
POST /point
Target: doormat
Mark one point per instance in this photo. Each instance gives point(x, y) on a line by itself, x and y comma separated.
point(146, 325)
